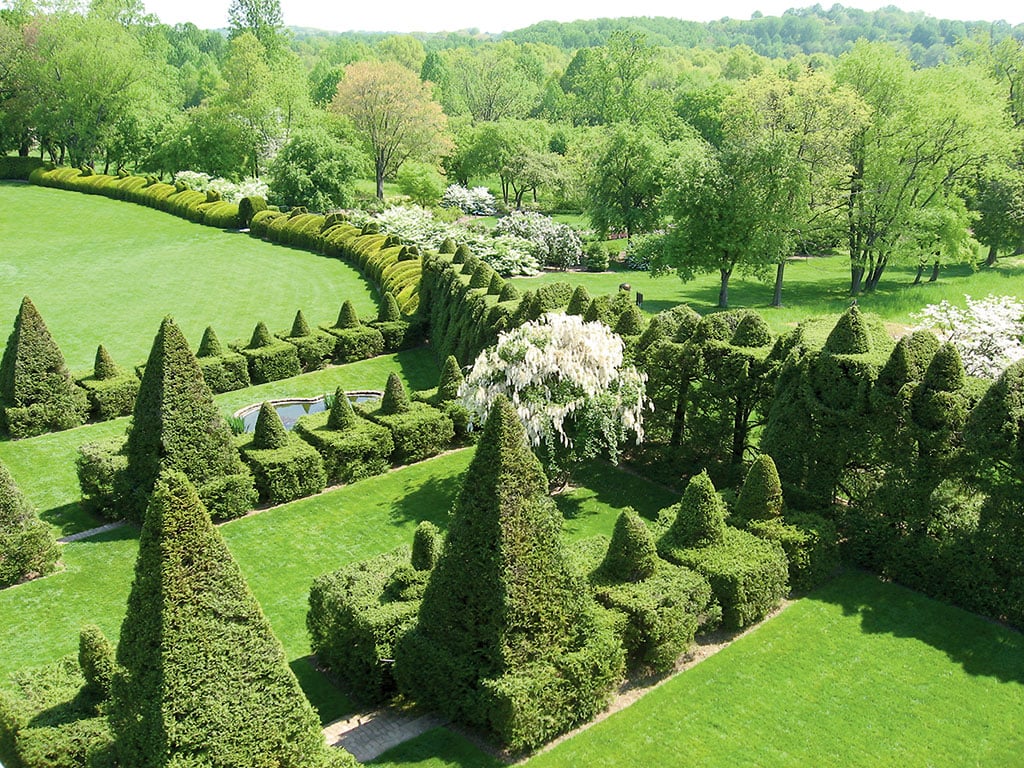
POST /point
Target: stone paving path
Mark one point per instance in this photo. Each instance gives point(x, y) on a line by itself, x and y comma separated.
point(91, 532)
point(369, 735)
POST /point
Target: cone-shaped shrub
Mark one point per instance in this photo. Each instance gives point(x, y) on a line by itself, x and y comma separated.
point(850, 335)
point(342, 416)
point(261, 337)
point(451, 380)
point(37, 393)
point(299, 326)
point(447, 246)
point(176, 425)
point(496, 284)
point(630, 322)
point(579, 302)
point(461, 254)
point(104, 367)
point(389, 311)
point(700, 519)
point(426, 546)
point(210, 346)
point(26, 542)
point(631, 555)
point(396, 399)
point(270, 432)
point(508, 292)
point(945, 372)
point(761, 495)
point(202, 677)
point(96, 660)
point(481, 276)
point(907, 362)
point(469, 267)
point(593, 313)
point(752, 331)
point(347, 317)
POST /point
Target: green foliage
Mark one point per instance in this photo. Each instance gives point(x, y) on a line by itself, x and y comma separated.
point(389, 311)
point(269, 432)
point(226, 372)
point(96, 660)
point(698, 520)
point(761, 495)
point(27, 547)
point(351, 451)
point(176, 426)
point(284, 466)
point(426, 546)
point(113, 394)
point(98, 465)
point(446, 246)
point(752, 331)
point(270, 358)
point(37, 393)
point(810, 543)
point(631, 322)
point(451, 380)
point(261, 337)
point(396, 399)
point(341, 415)
point(104, 367)
point(632, 555)
point(508, 292)
point(299, 326)
point(505, 630)
point(210, 345)
point(850, 335)
point(347, 317)
point(419, 431)
point(315, 169)
point(248, 207)
point(462, 253)
point(193, 633)
point(579, 301)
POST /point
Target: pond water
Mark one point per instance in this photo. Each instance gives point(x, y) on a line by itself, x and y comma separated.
point(292, 409)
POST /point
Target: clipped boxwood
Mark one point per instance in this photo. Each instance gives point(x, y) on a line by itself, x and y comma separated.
point(810, 543)
point(315, 347)
point(419, 430)
point(284, 466)
point(357, 343)
point(360, 450)
point(270, 358)
point(225, 373)
point(111, 391)
point(98, 464)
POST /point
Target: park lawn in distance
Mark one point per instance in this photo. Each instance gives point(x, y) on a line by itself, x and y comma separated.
point(105, 271)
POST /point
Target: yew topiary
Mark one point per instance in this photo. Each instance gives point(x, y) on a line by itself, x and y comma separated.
point(27, 545)
point(632, 555)
point(210, 346)
point(96, 660)
point(269, 432)
point(447, 246)
point(426, 546)
point(299, 326)
point(761, 495)
point(630, 322)
point(347, 317)
point(699, 517)
point(103, 368)
point(579, 301)
point(451, 380)
point(462, 253)
point(341, 416)
point(752, 331)
point(509, 292)
point(261, 337)
point(396, 399)
point(389, 311)
point(850, 336)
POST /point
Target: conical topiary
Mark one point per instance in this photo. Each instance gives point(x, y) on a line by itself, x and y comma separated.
point(347, 317)
point(27, 545)
point(103, 368)
point(261, 336)
point(200, 671)
point(579, 301)
point(761, 495)
point(175, 425)
point(389, 311)
point(461, 254)
point(396, 399)
point(630, 322)
point(631, 554)
point(451, 380)
point(850, 335)
point(299, 326)
point(447, 246)
point(752, 331)
point(269, 432)
point(33, 373)
point(210, 345)
point(481, 276)
point(341, 415)
point(945, 372)
point(509, 292)
point(470, 265)
point(907, 362)
point(426, 546)
point(496, 284)
point(96, 660)
point(593, 313)
point(700, 520)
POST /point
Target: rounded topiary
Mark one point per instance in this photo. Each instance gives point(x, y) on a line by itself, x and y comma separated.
point(481, 277)
point(269, 432)
point(447, 246)
point(631, 555)
point(945, 373)
point(210, 345)
point(426, 546)
point(700, 520)
point(341, 415)
point(396, 399)
point(508, 292)
point(850, 335)
point(347, 317)
point(96, 660)
point(752, 331)
point(27, 545)
point(579, 302)
point(451, 380)
point(261, 336)
point(630, 322)
point(761, 495)
point(389, 311)
point(104, 368)
point(299, 326)
point(462, 253)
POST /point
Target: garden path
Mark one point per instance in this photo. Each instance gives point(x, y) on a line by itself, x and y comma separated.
point(369, 735)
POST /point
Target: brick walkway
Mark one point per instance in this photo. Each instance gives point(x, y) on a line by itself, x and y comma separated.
point(369, 735)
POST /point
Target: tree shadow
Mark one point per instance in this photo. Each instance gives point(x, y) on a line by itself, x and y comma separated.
point(439, 746)
point(71, 518)
point(980, 646)
point(327, 699)
point(430, 499)
point(603, 483)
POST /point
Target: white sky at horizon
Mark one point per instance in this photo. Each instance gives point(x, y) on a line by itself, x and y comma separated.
point(425, 16)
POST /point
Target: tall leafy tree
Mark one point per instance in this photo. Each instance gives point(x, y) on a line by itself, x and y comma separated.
point(396, 114)
point(262, 18)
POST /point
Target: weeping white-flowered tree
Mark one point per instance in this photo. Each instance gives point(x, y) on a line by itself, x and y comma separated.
point(987, 333)
point(569, 385)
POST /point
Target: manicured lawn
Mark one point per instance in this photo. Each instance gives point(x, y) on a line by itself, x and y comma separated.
point(861, 673)
point(106, 272)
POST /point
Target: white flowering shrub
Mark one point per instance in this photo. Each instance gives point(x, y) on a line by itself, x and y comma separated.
point(229, 191)
point(478, 200)
point(415, 225)
point(554, 244)
point(508, 256)
point(987, 334)
point(567, 381)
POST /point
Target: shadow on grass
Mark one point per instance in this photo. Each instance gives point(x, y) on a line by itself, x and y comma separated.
point(982, 647)
point(71, 518)
point(126, 532)
point(430, 499)
point(437, 747)
point(419, 367)
point(328, 701)
point(613, 487)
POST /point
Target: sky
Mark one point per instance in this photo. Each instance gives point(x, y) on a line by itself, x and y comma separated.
point(498, 16)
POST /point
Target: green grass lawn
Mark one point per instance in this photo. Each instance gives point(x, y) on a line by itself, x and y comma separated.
point(861, 673)
point(106, 272)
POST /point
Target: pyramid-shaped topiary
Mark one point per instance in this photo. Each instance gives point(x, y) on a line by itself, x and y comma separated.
point(37, 393)
point(299, 326)
point(396, 399)
point(341, 416)
point(508, 292)
point(752, 331)
point(202, 679)
point(945, 372)
point(104, 368)
point(632, 555)
point(26, 542)
point(447, 246)
point(175, 425)
point(347, 317)
point(210, 346)
point(261, 337)
point(630, 322)
point(389, 311)
point(451, 380)
point(700, 516)
point(850, 335)
point(907, 362)
point(111, 391)
point(504, 616)
point(269, 432)
point(462, 253)
point(426, 546)
point(496, 285)
point(761, 495)
point(579, 301)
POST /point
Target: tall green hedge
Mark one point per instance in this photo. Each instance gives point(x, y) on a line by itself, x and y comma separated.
point(202, 678)
point(27, 545)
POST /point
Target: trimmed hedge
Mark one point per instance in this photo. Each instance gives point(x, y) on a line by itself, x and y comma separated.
point(811, 545)
point(284, 466)
point(27, 546)
point(111, 391)
point(98, 465)
point(223, 370)
point(20, 168)
point(419, 431)
point(360, 450)
point(314, 348)
point(270, 358)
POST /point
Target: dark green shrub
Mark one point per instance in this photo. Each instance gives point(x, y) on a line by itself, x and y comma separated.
point(508, 292)
point(389, 311)
point(810, 543)
point(37, 393)
point(462, 253)
point(507, 638)
point(632, 555)
point(111, 391)
point(579, 301)
point(19, 167)
point(631, 322)
point(447, 246)
point(223, 370)
point(314, 348)
point(426, 546)
point(752, 331)
point(497, 284)
point(347, 317)
point(761, 495)
point(419, 431)
point(98, 465)
point(698, 520)
point(396, 399)
point(27, 547)
point(197, 657)
point(285, 467)
point(269, 358)
point(176, 425)
point(481, 277)
point(353, 344)
point(360, 450)
point(261, 220)
point(451, 380)
point(96, 660)
point(850, 335)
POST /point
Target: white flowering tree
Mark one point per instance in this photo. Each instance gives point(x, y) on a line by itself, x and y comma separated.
point(567, 381)
point(987, 333)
